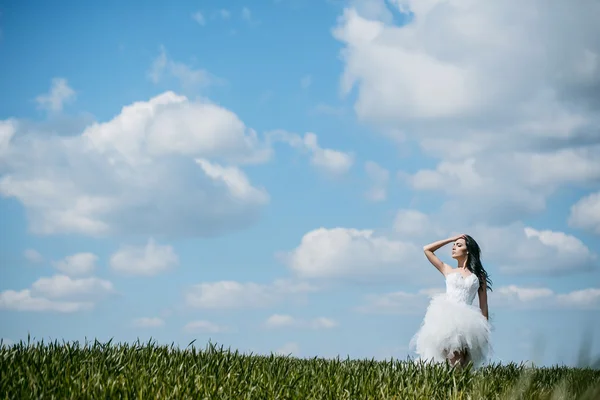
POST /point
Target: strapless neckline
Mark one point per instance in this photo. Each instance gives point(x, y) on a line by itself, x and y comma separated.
point(462, 289)
point(461, 275)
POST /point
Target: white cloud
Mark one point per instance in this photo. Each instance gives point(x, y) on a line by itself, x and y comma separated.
point(60, 93)
point(513, 248)
point(280, 321)
point(372, 9)
point(77, 264)
point(322, 323)
point(538, 297)
point(329, 161)
point(511, 297)
point(136, 173)
point(33, 256)
point(148, 322)
point(234, 179)
point(379, 178)
point(241, 295)
point(585, 214)
point(23, 301)
point(63, 287)
point(421, 78)
point(521, 294)
point(202, 326)
point(58, 293)
point(560, 241)
point(199, 18)
point(188, 77)
point(519, 249)
point(522, 186)
point(287, 321)
point(436, 80)
point(396, 303)
point(369, 256)
point(353, 254)
point(289, 349)
point(414, 224)
point(8, 128)
point(149, 260)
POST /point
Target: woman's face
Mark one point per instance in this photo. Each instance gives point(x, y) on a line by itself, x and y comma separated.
point(459, 248)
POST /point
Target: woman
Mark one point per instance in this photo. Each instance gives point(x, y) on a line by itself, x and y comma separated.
point(453, 329)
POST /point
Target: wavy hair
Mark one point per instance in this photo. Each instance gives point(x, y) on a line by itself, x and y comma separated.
point(474, 262)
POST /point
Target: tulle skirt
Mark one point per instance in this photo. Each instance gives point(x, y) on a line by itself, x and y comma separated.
point(450, 326)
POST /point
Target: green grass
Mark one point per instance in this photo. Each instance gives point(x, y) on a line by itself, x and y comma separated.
point(148, 371)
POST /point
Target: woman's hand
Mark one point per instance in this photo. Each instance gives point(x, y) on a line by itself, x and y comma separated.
point(461, 236)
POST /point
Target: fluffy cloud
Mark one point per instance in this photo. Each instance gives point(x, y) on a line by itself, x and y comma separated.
point(329, 161)
point(511, 296)
point(148, 260)
point(60, 93)
point(63, 287)
point(8, 128)
point(148, 322)
point(289, 349)
point(368, 256)
point(524, 183)
point(416, 225)
point(153, 169)
point(77, 264)
point(379, 177)
point(509, 249)
point(287, 321)
point(33, 256)
point(203, 326)
point(58, 293)
point(240, 295)
point(536, 297)
point(585, 214)
point(352, 254)
point(519, 249)
point(459, 60)
point(397, 302)
point(468, 82)
point(24, 301)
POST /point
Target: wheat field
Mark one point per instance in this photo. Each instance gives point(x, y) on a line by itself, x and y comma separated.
point(56, 370)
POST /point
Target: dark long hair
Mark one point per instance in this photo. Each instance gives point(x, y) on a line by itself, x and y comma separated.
point(474, 262)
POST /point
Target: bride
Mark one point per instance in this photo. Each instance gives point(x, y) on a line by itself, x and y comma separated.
point(453, 329)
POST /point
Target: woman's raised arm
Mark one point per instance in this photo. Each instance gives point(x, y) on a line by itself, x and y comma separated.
point(429, 253)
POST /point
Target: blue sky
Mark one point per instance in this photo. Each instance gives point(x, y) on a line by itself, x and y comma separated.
point(265, 175)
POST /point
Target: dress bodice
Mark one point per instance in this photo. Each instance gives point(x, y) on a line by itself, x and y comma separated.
point(461, 289)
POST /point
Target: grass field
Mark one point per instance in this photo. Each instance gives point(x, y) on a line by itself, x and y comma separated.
point(147, 371)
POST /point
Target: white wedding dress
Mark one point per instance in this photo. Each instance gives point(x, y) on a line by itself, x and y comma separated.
point(452, 323)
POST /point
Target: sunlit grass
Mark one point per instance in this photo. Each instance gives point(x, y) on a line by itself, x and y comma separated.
point(149, 371)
